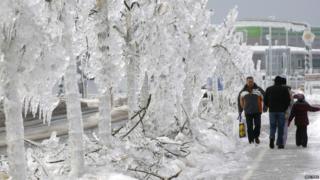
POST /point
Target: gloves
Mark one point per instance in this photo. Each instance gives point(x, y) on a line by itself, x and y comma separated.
point(265, 108)
point(240, 116)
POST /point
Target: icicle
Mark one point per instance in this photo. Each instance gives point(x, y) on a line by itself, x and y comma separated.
point(26, 105)
point(34, 105)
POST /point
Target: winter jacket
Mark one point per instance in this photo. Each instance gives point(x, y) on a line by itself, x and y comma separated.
point(277, 98)
point(299, 112)
point(253, 101)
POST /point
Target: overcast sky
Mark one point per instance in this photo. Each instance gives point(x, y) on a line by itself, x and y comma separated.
point(307, 11)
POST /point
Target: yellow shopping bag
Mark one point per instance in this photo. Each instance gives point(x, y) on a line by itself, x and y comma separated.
point(242, 128)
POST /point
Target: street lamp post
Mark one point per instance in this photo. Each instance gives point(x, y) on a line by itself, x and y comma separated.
point(308, 38)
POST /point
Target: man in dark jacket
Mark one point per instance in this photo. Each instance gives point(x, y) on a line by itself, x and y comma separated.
point(299, 112)
point(250, 100)
point(277, 99)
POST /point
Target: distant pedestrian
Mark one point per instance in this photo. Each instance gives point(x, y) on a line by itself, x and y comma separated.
point(250, 100)
point(277, 99)
point(300, 114)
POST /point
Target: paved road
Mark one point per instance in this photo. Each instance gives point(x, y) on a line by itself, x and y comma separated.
point(36, 130)
point(291, 163)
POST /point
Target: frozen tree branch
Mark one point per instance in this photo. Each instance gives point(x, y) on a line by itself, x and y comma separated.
point(156, 175)
point(187, 121)
point(119, 30)
point(57, 161)
point(41, 164)
point(215, 129)
point(223, 47)
point(142, 110)
point(117, 131)
point(33, 143)
point(149, 173)
point(176, 154)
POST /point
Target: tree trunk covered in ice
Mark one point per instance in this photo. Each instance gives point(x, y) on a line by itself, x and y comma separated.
point(132, 63)
point(187, 92)
point(132, 85)
point(145, 91)
point(103, 33)
point(75, 120)
point(104, 125)
point(74, 114)
point(12, 101)
point(15, 132)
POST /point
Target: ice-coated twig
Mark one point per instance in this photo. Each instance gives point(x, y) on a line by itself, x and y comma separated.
point(178, 123)
point(187, 120)
point(117, 131)
point(215, 129)
point(144, 111)
point(41, 164)
point(60, 151)
point(178, 155)
point(149, 173)
point(57, 161)
point(94, 151)
point(156, 175)
point(33, 143)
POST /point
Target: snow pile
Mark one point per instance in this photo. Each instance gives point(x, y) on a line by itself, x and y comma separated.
point(206, 156)
point(105, 176)
point(164, 50)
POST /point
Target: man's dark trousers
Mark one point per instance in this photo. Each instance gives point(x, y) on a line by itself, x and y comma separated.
point(253, 120)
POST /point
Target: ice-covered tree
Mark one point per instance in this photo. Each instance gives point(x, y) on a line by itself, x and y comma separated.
point(74, 113)
point(67, 14)
point(30, 66)
point(163, 60)
point(128, 27)
point(107, 61)
point(231, 55)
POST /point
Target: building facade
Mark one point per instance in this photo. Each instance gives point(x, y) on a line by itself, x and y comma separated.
point(282, 41)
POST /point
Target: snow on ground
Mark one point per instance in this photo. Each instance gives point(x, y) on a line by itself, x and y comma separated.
point(258, 162)
point(214, 154)
point(211, 154)
point(104, 176)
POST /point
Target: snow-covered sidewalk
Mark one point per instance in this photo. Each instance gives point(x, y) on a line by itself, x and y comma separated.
point(260, 162)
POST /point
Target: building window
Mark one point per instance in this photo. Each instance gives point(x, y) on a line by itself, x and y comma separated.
point(316, 63)
point(300, 63)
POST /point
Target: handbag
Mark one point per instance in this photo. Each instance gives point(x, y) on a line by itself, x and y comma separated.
point(242, 128)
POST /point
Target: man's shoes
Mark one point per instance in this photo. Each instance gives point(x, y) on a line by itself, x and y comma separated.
point(257, 140)
point(304, 146)
point(281, 147)
point(271, 145)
